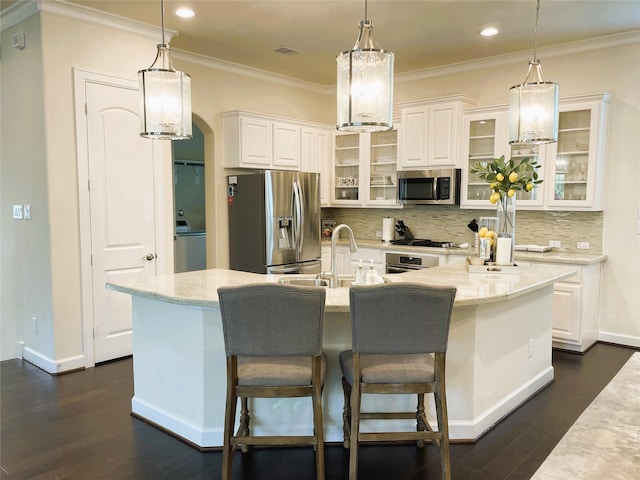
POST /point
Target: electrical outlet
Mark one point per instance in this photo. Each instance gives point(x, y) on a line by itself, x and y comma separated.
point(378, 233)
point(34, 324)
point(530, 348)
point(27, 211)
point(17, 212)
point(582, 245)
point(555, 243)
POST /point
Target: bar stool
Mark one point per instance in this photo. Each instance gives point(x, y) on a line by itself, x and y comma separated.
point(273, 344)
point(396, 327)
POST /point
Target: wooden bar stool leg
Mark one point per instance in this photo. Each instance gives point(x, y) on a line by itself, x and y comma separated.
point(317, 418)
point(355, 418)
point(229, 419)
point(346, 413)
point(421, 419)
point(245, 418)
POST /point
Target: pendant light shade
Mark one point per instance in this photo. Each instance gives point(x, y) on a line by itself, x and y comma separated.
point(365, 85)
point(533, 114)
point(165, 98)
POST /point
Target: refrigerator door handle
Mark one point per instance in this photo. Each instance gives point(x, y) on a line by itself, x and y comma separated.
point(297, 223)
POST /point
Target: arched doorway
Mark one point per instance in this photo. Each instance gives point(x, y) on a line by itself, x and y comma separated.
point(189, 203)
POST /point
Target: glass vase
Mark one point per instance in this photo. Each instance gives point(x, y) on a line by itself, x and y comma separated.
point(506, 230)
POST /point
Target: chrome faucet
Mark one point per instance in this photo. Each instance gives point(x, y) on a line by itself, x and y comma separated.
point(333, 279)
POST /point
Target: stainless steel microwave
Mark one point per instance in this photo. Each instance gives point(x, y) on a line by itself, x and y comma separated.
point(429, 187)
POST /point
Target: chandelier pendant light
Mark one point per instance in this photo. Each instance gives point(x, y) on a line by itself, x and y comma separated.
point(533, 114)
point(165, 97)
point(364, 87)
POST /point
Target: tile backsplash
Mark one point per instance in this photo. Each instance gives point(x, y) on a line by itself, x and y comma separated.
point(449, 223)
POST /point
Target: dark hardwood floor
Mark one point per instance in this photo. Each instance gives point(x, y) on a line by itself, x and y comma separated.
point(77, 426)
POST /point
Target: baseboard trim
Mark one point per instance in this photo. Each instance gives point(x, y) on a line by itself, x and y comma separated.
point(471, 431)
point(618, 339)
point(185, 431)
point(459, 431)
point(49, 365)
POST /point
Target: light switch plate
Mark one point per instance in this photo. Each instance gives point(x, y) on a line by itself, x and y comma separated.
point(17, 212)
point(583, 245)
point(27, 211)
point(555, 243)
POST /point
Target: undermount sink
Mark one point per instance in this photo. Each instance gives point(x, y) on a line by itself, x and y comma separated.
point(343, 281)
point(304, 282)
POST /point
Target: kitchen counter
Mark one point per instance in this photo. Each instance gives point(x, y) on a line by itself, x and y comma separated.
point(553, 256)
point(199, 288)
point(499, 352)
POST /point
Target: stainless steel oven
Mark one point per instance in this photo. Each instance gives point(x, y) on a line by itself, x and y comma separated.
point(409, 262)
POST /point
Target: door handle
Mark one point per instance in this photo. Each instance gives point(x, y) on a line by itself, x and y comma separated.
point(149, 256)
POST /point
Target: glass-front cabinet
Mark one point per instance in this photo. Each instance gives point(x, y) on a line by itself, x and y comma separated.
point(347, 166)
point(483, 143)
point(486, 138)
point(365, 169)
point(576, 171)
point(382, 171)
point(571, 169)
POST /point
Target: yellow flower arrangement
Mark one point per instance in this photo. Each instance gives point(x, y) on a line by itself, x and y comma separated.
point(505, 177)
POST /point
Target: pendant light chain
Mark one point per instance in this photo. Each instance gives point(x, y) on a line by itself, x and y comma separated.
point(162, 19)
point(535, 36)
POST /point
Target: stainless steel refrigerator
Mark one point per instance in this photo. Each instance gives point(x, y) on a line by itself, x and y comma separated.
point(274, 222)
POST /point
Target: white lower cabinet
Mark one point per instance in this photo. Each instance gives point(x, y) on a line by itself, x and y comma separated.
point(452, 259)
point(576, 301)
point(369, 256)
point(342, 259)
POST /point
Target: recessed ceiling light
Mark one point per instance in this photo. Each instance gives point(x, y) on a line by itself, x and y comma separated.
point(185, 13)
point(489, 31)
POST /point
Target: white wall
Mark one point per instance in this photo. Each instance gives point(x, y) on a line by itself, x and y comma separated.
point(41, 259)
point(26, 246)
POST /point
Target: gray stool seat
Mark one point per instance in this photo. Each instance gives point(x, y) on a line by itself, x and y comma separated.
point(273, 344)
point(400, 333)
point(277, 371)
point(416, 368)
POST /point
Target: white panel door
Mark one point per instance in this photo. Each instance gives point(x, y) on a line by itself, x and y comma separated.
point(121, 193)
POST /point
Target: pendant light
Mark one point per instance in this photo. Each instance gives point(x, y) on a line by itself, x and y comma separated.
point(165, 97)
point(533, 115)
point(365, 84)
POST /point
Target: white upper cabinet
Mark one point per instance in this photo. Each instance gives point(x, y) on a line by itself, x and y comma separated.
point(486, 136)
point(260, 141)
point(431, 132)
point(576, 168)
point(365, 169)
point(286, 146)
point(316, 158)
point(572, 169)
point(382, 168)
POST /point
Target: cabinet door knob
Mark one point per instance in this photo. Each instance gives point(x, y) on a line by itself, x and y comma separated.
point(150, 256)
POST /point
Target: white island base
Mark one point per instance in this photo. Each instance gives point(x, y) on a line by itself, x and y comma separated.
point(499, 355)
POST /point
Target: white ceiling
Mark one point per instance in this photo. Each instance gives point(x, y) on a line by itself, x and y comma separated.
point(421, 33)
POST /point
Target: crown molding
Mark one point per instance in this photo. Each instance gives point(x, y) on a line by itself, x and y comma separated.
point(590, 44)
point(24, 9)
point(238, 69)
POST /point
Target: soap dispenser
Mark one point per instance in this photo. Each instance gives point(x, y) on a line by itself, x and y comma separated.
point(360, 274)
point(372, 274)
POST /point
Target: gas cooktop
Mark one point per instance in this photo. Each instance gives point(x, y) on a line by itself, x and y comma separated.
point(417, 242)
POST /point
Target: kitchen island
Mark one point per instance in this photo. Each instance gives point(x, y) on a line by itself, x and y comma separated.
point(499, 352)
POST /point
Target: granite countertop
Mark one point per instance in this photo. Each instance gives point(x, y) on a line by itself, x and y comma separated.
point(199, 288)
point(553, 256)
